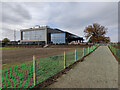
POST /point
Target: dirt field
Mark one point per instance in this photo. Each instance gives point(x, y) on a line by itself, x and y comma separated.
point(49, 46)
point(14, 56)
point(21, 55)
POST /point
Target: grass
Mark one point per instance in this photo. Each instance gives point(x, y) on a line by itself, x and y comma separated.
point(5, 66)
point(46, 67)
point(116, 51)
point(4, 48)
point(17, 76)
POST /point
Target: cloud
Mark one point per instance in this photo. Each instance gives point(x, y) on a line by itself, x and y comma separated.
point(68, 16)
point(74, 17)
point(8, 33)
point(14, 13)
point(14, 16)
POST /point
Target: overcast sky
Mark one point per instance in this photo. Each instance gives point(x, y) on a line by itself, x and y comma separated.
point(68, 16)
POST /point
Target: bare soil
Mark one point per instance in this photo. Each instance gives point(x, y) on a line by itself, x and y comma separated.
point(118, 46)
point(50, 46)
point(20, 55)
point(67, 46)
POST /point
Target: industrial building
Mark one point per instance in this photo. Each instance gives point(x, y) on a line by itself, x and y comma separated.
point(47, 35)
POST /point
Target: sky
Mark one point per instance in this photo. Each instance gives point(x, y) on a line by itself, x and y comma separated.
point(67, 16)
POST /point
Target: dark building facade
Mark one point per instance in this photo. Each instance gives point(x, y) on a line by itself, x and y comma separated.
point(47, 35)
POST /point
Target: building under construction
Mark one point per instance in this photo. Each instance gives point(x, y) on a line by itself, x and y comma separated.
point(47, 35)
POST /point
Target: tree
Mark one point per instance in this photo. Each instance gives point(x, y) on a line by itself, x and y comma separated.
point(5, 40)
point(96, 33)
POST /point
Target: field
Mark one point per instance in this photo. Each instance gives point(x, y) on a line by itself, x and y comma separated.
point(12, 56)
point(17, 69)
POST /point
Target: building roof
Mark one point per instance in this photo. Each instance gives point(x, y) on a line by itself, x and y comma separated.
point(37, 27)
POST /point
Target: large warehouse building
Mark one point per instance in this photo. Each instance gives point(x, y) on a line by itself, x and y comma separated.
point(47, 35)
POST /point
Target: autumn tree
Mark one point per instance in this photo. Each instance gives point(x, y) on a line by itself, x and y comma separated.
point(96, 33)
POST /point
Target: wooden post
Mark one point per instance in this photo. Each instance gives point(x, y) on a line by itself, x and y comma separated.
point(64, 59)
point(34, 70)
point(75, 55)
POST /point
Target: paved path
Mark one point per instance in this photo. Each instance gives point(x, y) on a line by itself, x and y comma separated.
point(98, 70)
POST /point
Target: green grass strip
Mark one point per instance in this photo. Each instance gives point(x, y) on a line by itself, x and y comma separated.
point(15, 77)
point(5, 78)
point(39, 63)
point(12, 78)
point(9, 80)
point(25, 69)
point(23, 77)
point(2, 79)
point(28, 76)
point(4, 48)
point(20, 77)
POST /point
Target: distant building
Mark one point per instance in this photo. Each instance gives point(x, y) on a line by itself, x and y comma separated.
point(47, 35)
point(12, 43)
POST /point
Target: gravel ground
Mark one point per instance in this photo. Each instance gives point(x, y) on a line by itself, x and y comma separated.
point(98, 70)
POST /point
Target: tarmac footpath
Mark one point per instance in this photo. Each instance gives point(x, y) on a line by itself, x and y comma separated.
point(98, 70)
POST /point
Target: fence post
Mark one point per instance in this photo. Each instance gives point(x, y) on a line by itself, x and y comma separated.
point(34, 70)
point(64, 59)
point(83, 52)
point(75, 55)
